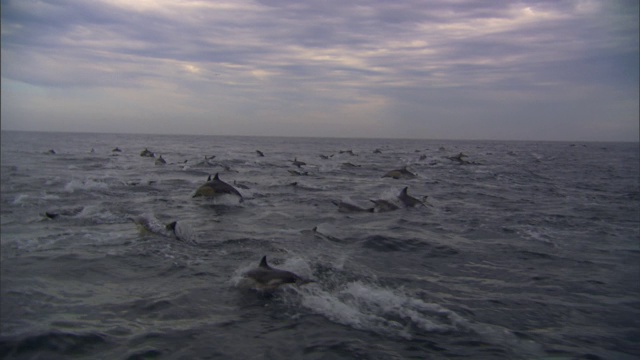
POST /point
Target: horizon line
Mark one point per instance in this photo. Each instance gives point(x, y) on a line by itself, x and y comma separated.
point(323, 137)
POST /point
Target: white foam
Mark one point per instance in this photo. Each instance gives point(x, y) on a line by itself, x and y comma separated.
point(185, 234)
point(392, 312)
point(369, 307)
point(86, 184)
point(19, 199)
point(46, 196)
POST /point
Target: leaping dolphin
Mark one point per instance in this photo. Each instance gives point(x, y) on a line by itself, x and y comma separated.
point(215, 187)
point(268, 278)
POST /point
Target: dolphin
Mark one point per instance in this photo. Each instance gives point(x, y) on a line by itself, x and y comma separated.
point(180, 233)
point(240, 185)
point(347, 165)
point(298, 163)
point(408, 200)
point(400, 174)
point(170, 230)
point(63, 212)
point(383, 206)
point(160, 161)
point(345, 207)
point(214, 187)
point(298, 173)
point(147, 153)
point(268, 278)
point(260, 153)
point(459, 158)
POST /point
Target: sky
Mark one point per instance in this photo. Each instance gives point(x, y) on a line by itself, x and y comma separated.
point(441, 69)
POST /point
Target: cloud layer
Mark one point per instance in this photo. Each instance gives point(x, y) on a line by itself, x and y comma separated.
point(429, 69)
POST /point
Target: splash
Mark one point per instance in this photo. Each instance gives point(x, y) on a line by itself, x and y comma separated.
point(393, 313)
point(87, 184)
point(381, 310)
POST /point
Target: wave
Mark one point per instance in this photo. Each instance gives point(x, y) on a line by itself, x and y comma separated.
point(50, 342)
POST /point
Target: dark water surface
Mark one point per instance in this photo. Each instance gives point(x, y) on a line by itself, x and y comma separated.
point(531, 250)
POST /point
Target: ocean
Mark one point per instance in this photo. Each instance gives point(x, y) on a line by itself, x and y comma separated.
point(522, 250)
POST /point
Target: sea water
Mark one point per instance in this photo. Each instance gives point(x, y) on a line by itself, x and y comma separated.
point(524, 250)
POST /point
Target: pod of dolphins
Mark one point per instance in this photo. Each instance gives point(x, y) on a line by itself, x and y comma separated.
point(265, 277)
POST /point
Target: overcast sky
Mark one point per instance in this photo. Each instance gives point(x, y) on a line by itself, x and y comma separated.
point(442, 69)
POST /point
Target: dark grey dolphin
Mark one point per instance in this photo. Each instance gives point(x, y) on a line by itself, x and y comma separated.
point(215, 187)
point(160, 161)
point(459, 158)
point(63, 212)
point(147, 153)
point(260, 153)
point(170, 230)
point(383, 206)
point(408, 200)
point(180, 233)
point(348, 165)
point(268, 278)
point(400, 174)
point(345, 207)
point(298, 163)
point(298, 173)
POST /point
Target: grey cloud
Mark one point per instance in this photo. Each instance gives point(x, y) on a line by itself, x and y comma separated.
point(411, 58)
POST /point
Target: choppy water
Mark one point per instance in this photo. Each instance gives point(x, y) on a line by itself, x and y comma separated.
point(530, 251)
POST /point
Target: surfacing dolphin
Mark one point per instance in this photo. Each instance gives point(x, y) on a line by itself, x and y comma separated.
point(400, 174)
point(147, 153)
point(383, 206)
point(268, 278)
point(408, 200)
point(298, 163)
point(161, 161)
point(459, 158)
point(345, 207)
point(215, 187)
point(181, 233)
point(170, 230)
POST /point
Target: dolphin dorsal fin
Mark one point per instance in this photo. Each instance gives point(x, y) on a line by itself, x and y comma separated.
point(263, 262)
point(209, 178)
point(216, 177)
point(171, 226)
point(404, 191)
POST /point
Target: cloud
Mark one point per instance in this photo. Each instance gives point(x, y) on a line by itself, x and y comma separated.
point(314, 63)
